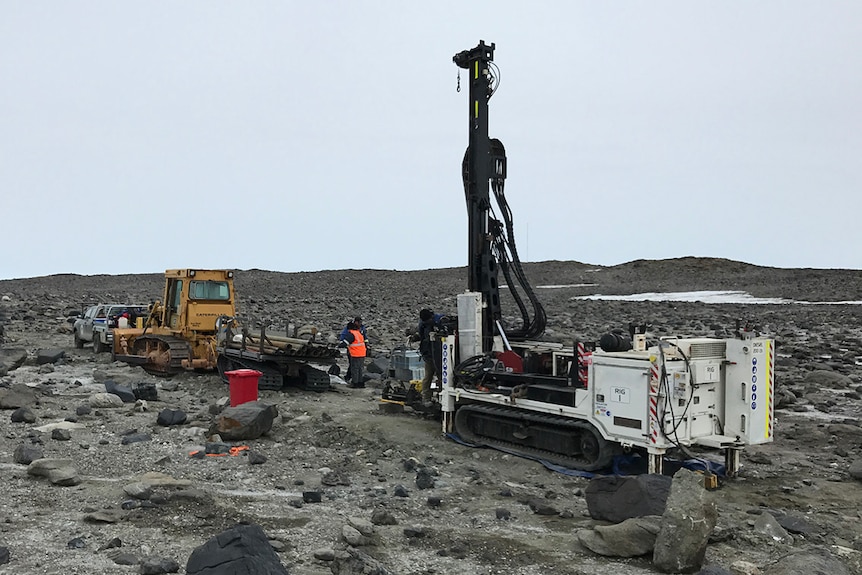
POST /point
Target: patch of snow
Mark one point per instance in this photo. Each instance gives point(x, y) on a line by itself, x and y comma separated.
point(565, 286)
point(707, 296)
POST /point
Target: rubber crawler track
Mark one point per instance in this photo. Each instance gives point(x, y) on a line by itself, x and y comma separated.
point(563, 441)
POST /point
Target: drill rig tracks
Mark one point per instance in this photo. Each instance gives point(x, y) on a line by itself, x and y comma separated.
point(560, 440)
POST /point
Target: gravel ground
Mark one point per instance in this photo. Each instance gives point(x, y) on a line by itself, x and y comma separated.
point(361, 460)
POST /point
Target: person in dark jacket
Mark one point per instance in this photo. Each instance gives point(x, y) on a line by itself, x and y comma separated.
point(357, 321)
point(356, 352)
point(429, 322)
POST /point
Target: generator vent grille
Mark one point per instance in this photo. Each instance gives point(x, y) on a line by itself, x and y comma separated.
point(705, 349)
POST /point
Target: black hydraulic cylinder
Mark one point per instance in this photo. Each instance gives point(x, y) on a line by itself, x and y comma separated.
point(479, 169)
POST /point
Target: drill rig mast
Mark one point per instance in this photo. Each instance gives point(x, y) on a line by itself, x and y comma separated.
point(490, 240)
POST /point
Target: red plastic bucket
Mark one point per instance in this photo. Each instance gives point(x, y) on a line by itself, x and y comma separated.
point(243, 385)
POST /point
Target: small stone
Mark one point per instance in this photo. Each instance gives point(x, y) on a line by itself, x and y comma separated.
point(138, 490)
point(23, 415)
point(61, 434)
point(158, 566)
point(112, 544)
point(352, 536)
point(27, 454)
point(383, 517)
point(541, 507)
point(76, 543)
point(124, 559)
point(136, 438)
point(424, 478)
point(312, 496)
point(256, 458)
point(361, 525)
point(64, 476)
point(325, 554)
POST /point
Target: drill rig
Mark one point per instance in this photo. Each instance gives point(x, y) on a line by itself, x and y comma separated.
point(581, 406)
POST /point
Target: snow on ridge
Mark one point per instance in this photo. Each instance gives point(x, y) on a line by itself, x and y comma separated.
point(711, 297)
point(565, 286)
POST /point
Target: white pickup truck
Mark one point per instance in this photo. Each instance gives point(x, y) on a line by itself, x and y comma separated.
point(97, 323)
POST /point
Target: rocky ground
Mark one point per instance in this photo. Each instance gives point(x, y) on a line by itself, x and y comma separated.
point(486, 512)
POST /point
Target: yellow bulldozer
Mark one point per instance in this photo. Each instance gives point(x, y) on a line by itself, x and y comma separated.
point(195, 326)
point(179, 332)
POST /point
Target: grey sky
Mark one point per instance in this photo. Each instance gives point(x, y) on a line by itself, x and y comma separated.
point(291, 136)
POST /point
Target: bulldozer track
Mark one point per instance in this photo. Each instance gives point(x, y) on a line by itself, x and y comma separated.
point(165, 354)
point(572, 443)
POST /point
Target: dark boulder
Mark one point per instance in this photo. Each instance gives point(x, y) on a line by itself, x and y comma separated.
point(616, 499)
point(241, 550)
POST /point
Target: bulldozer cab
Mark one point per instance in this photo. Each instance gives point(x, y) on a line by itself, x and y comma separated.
point(194, 299)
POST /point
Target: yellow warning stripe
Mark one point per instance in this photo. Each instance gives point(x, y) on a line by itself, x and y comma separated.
point(768, 382)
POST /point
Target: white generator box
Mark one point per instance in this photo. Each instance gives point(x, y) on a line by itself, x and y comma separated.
point(750, 390)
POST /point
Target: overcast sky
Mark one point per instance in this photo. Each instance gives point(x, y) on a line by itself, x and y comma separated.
point(302, 136)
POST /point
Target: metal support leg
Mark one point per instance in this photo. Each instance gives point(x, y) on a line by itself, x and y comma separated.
point(731, 462)
point(655, 461)
point(448, 422)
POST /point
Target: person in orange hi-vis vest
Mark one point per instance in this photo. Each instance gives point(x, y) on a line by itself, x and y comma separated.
point(356, 351)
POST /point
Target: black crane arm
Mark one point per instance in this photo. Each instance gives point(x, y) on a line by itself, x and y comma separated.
point(491, 246)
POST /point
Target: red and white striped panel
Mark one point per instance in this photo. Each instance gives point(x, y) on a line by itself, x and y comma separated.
point(653, 399)
point(770, 390)
point(584, 358)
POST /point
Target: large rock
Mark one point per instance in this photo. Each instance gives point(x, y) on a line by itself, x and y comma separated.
point(845, 431)
point(124, 392)
point(168, 417)
point(57, 471)
point(616, 499)
point(828, 379)
point(18, 395)
point(808, 561)
point(631, 538)
point(27, 454)
point(686, 524)
point(245, 421)
point(53, 355)
point(354, 561)
point(242, 549)
point(11, 359)
point(105, 400)
point(379, 365)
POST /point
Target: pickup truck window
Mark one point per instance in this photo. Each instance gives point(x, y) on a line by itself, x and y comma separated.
point(133, 312)
point(210, 290)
